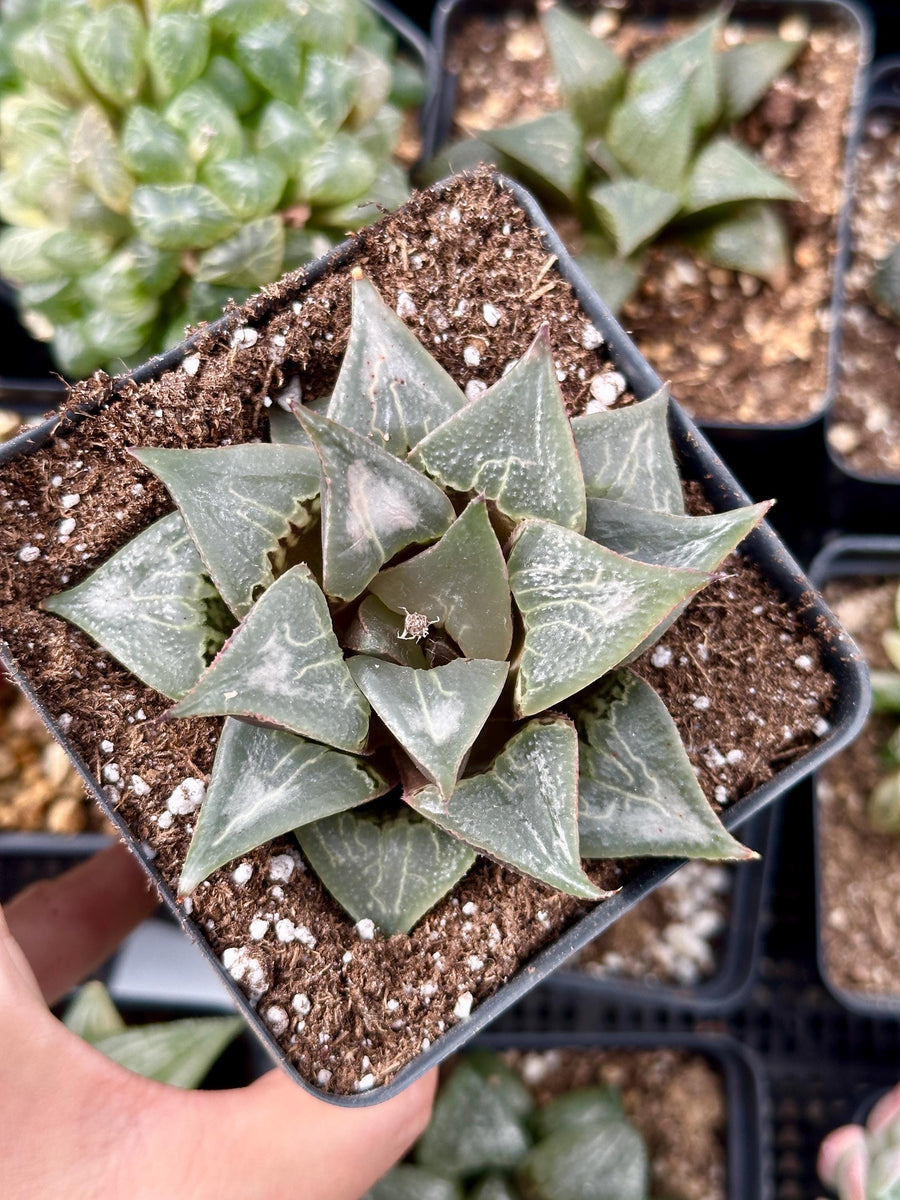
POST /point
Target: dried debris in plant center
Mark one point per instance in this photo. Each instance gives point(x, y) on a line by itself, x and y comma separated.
point(381, 1000)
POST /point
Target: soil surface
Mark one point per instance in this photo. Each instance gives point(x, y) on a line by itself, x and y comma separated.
point(674, 936)
point(676, 1100)
point(865, 425)
point(740, 672)
point(735, 349)
point(860, 867)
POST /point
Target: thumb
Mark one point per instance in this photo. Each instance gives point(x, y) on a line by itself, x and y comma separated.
point(281, 1138)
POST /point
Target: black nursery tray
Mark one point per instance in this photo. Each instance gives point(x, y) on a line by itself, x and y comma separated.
point(762, 548)
point(848, 558)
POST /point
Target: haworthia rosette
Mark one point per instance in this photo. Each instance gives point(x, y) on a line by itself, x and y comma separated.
point(585, 610)
point(265, 783)
point(283, 666)
point(513, 444)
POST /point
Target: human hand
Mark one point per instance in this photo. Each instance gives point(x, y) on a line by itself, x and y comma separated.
point(73, 1124)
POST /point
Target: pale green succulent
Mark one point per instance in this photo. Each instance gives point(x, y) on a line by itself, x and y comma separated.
point(160, 159)
point(644, 152)
point(862, 1162)
point(494, 660)
point(487, 1140)
point(179, 1052)
point(885, 286)
point(884, 801)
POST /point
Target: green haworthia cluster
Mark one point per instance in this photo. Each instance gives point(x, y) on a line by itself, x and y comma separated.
point(179, 1053)
point(884, 801)
point(862, 1162)
point(641, 152)
point(885, 285)
point(160, 159)
point(416, 615)
point(488, 1140)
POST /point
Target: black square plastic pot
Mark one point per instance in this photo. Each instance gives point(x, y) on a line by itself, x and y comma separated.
point(763, 455)
point(859, 501)
point(737, 957)
point(849, 558)
point(762, 548)
point(29, 382)
point(747, 1139)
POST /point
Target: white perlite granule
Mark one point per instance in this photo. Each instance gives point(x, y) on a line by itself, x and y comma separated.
point(491, 314)
point(187, 797)
point(366, 1083)
point(406, 306)
point(111, 772)
point(259, 927)
point(281, 868)
point(323, 1078)
point(28, 554)
point(463, 1007)
point(277, 1019)
point(301, 1004)
point(242, 873)
point(191, 364)
point(472, 356)
point(661, 657)
point(365, 929)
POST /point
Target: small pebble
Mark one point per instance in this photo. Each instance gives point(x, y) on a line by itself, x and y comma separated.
point(591, 337)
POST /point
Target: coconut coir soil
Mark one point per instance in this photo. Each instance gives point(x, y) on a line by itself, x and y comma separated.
point(739, 671)
point(736, 350)
point(860, 867)
point(865, 427)
point(676, 1100)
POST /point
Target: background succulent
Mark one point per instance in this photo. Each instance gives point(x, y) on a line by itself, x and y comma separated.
point(862, 1162)
point(161, 158)
point(505, 722)
point(885, 286)
point(179, 1052)
point(644, 151)
point(487, 1140)
point(884, 802)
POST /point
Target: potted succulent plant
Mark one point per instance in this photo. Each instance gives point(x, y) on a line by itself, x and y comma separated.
point(158, 163)
point(597, 1117)
point(861, 1161)
point(487, 705)
point(695, 166)
point(857, 847)
point(863, 429)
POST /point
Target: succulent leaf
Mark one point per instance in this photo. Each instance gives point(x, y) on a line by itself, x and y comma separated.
point(377, 632)
point(283, 666)
point(148, 606)
point(373, 505)
point(110, 48)
point(406, 1181)
point(461, 583)
point(606, 1162)
point(97, 159)
point(208, 123)
point(885, 691)
point(546, 151)
point(250, 186)
point(582, 1108)
point(389, 388)
point(585, 610)
point(179, 1053)
point(285, 135)
point(153, 150)
point(265, 783)
point(724, 173)
point(749, 69)
point(883, 808)
point(238, 502)
point(691, 61)
point(268, 53)
point(513, 444)
point(589, 73)
point(177, 51)
point(651, 133)
point(494, 1187)
point(754, 241)
point(890, 640)
point(337, 172)
point(639, 794)
point(389, 868)
point(473, 1127)
point(885, 286)
point(91, 1014)
point(522, 811)
point(179, 216)
point(435, 715)
point(701, 543)
point(249, 258)
point(44, 55)
point(632, 211)
point(503, 1080)
point(329, 89)
point(626, 454)
point(614, 279)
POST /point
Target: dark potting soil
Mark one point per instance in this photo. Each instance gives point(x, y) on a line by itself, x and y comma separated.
point(735, 349)
point(860, 876)
point(740, 673)
point(676, 1100)
point(865, 430)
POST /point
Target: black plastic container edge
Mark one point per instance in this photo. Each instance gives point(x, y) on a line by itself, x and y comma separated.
point(858, 499)
point(748, 1143)
point(840, 655)
point(846, 558)
point(864, 1109)
point(37, 396)
point(728, 435)
point(738, 964)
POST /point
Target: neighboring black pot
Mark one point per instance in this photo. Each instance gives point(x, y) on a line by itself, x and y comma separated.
point(738, 956)
point(29, 381)
point(847, 558)
point(763, 456)
point(858, 501)
point(762, 547)
point(747, 1142)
